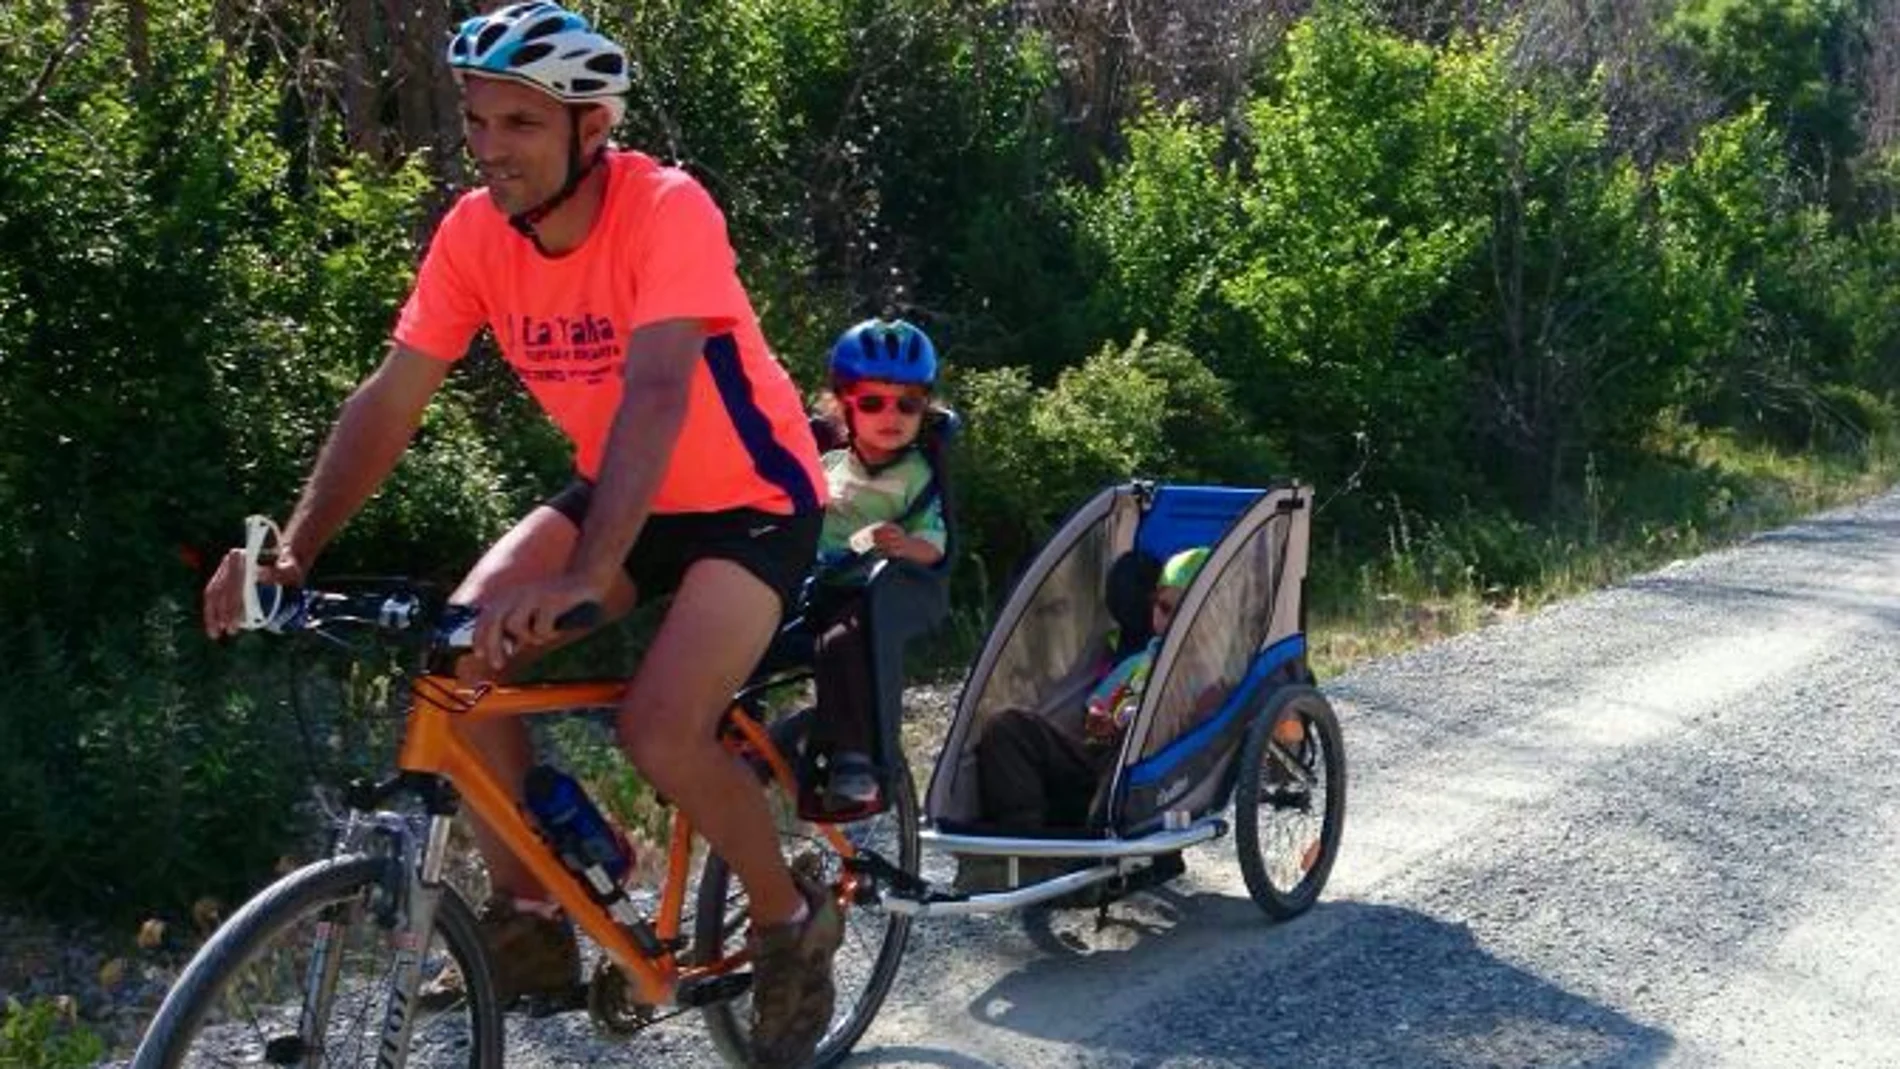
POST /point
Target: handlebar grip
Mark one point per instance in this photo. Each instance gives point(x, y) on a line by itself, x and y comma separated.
point(456, 629)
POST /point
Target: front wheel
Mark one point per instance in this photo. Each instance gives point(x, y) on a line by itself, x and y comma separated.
point(865, 964)
point(1290, 801)
point(302, 976)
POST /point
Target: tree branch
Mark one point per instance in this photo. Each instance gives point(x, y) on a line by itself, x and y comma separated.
point(78, 18)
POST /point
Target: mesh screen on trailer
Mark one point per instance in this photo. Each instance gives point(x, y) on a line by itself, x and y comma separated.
point(1060, 631)
point(1053, 647)
point(1220, 641)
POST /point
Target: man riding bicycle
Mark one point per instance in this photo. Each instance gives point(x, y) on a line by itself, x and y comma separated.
point(610, 285)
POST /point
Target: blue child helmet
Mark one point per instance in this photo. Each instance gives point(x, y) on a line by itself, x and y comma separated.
point(888, 350)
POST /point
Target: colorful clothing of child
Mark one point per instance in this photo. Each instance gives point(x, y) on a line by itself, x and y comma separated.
point(862, 496)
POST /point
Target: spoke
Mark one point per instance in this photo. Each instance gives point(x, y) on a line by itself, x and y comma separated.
point(358, 1030)
point(238, 1003)
point(257, 1030)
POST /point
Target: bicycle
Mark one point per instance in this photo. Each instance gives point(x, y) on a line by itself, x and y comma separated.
point(381, 894)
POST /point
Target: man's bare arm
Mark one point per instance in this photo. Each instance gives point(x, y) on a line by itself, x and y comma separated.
point(661, 358)
point(371, 433)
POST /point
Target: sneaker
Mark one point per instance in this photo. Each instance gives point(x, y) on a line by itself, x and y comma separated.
point(852, 782)
point(792, 991)
point(529, 955)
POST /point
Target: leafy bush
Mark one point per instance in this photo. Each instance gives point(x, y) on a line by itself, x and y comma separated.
point(1788, 57)
point(45, 1035)
point(186, 329)
point(1765, 296)
point(1149, 409)
point(143, 775)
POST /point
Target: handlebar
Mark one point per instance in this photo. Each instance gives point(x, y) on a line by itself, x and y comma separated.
point(398, 607)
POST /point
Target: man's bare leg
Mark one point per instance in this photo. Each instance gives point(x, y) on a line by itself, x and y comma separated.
point(536, 548)
point(718, 627)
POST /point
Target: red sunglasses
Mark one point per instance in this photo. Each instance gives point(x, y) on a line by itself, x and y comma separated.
point(872, 403)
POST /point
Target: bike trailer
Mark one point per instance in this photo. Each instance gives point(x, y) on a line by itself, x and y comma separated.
point(1232, 661)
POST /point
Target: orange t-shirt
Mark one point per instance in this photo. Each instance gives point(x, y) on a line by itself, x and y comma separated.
point(658, 251)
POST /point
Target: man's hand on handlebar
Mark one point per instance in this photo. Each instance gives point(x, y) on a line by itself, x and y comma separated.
point(224, 594)
point(532, 614)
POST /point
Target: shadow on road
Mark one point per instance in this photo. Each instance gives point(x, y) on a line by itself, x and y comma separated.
point(1202, 978)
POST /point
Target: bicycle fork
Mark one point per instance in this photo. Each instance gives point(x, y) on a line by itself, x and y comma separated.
point(404, 905)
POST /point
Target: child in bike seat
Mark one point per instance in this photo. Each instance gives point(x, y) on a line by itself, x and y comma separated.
point(883, 505)
point(1031, 774)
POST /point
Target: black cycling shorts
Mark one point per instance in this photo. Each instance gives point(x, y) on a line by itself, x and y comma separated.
point(779, 550)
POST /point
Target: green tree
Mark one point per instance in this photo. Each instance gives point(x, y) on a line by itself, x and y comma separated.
point(1790, 57)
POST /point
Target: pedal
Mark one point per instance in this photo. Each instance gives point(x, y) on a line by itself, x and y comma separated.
point(612, 1005)
point(708, 990)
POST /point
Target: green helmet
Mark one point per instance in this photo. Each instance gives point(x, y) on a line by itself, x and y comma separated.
point(1183, 567)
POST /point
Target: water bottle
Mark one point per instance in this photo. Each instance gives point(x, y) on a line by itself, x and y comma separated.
point(588, 845)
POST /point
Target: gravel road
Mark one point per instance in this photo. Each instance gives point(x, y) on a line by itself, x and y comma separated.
point(1657, 825)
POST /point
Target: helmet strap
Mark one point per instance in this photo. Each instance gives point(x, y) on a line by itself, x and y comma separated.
point(577, 171)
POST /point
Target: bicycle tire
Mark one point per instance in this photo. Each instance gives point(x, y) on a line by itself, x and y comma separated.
point(719, 916)
point(1264, 803)
point(219, 969)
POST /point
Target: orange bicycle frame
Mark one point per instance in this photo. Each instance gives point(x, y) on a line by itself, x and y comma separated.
point(435, 743)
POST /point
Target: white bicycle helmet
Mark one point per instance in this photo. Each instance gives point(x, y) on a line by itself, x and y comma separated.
point(549, 48)
point(543, 45)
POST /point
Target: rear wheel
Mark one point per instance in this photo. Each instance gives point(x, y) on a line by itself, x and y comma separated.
point(242, 999)
point(865, 964)
point(1290, 801)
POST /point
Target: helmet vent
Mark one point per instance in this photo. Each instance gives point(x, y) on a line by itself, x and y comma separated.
point(544, 28)
point(586, 85)
point(527, 54)
point(607, 63)
point(893, 351)
point(488, 37)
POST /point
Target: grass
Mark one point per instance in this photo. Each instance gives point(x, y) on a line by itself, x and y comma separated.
point(1701, 491)
point(46, 1034)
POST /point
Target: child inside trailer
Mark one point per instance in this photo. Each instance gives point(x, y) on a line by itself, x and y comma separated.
point(1034, 779)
